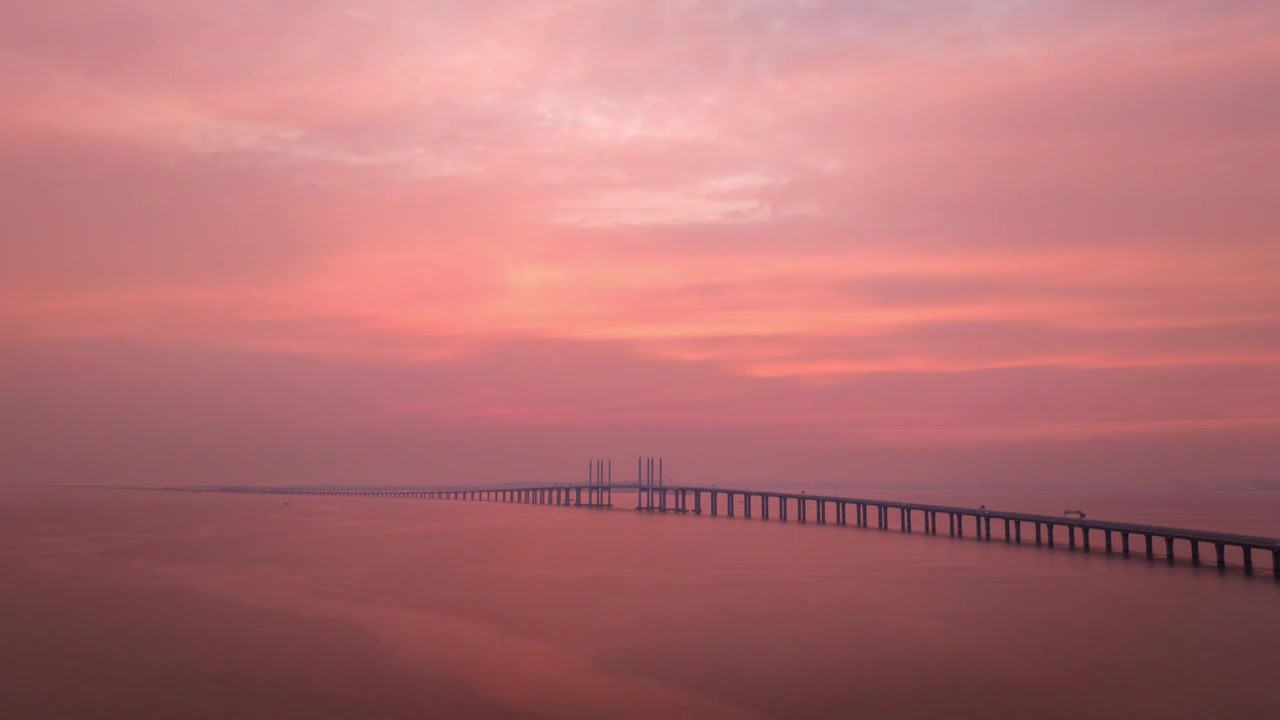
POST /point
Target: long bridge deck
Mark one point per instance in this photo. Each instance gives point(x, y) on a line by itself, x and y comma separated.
point(676, 498)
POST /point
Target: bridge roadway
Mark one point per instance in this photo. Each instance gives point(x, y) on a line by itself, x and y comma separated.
point(675, 498)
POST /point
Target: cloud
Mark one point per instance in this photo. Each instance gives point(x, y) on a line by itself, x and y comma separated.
point(960, 223)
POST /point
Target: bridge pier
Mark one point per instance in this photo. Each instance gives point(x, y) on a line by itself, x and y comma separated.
point(1221, 551)
point(1195, 552)
point(764, 506)
point(1017, 531)
point(1007, 537)
point(987, 525)
point(1107, 533)
point(729, 504)
point(746, 505)
point(1247, 557)
point(1049, 532)
point(782, 508)
point(1275, 563)
point(1124, 543)
point(1071, 536)
point(697, 502)
point(1084, 535)
point(1151, 553)
point(1168, 549)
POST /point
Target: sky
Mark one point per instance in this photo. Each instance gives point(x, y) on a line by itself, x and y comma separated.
point(776, 242)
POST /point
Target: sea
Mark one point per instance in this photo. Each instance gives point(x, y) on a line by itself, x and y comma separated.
point(118, 603)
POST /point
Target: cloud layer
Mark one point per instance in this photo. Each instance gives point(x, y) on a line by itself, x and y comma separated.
point(801, 232)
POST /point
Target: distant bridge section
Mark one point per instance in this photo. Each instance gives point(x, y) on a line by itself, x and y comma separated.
point(834, 509)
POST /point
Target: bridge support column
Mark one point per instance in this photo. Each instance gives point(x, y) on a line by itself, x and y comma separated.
point(906, 525)
point(1124, 543)
point(1247, 556)
point(1071, 536)
point(1195, 552)
point(729, 504)
point(577, 497)
point(1221, 551)
point(1007, 537)
point(782, 508)
point(1017, 531)
point(715, 503)
point(1275, 563)
point(746, 505)
point(987, 525)
point(764, 506)
point(697, 502)
point(840, 510)
point(1048, 529)
point(1168, 549)
point(1151, 553)
point(951, 524)
point(1084, 534)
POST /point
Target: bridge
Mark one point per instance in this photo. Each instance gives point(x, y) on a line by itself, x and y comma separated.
point(652, 495)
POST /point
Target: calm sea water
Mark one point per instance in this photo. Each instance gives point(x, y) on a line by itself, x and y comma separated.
point(124, 604)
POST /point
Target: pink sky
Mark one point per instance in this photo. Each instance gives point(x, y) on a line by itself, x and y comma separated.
point(398, 241)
